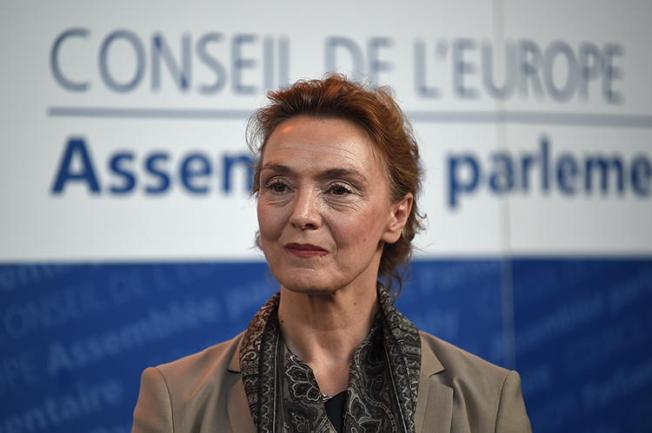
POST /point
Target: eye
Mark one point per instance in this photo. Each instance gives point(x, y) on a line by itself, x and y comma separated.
point(277, 186)
point(339, 189)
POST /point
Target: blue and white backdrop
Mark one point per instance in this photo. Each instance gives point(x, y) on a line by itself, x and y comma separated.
point(127, 225)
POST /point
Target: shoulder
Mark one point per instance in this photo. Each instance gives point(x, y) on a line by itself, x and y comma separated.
point(195, 379)
point(462, 365)
point(173, 395)
point(484, 396)
point(202, 369)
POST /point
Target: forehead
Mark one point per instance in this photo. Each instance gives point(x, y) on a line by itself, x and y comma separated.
point(321, 143)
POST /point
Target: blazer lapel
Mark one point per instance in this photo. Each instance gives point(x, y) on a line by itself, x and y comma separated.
point(434, 410)
point(237, 406)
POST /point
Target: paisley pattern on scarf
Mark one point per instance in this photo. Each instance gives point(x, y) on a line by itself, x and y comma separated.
point(284, 396)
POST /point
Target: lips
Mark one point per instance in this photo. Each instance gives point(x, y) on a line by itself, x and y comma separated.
point(305, 250)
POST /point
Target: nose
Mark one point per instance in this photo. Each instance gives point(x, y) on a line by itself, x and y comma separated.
point(305, 211)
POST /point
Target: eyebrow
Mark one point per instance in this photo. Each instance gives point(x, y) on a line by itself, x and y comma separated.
point(277, 168)
point(330, 173)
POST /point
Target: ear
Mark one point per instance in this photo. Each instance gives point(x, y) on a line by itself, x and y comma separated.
point(399, 213)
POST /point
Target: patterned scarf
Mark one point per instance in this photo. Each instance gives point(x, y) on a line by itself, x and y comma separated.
point(283, 394)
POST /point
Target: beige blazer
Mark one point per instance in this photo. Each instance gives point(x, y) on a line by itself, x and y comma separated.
point(201, 393)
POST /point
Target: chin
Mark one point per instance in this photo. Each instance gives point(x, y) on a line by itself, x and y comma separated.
point(307, 284)
point(308, 287)
point(309, 290)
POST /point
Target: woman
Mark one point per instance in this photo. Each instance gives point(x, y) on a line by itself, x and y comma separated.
point(336, 183)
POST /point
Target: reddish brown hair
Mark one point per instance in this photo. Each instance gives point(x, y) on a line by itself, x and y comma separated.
point(376, 112)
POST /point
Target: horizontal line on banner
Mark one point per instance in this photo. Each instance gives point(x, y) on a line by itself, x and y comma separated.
point(148, 113)
point(522, 117)
point(534, 117)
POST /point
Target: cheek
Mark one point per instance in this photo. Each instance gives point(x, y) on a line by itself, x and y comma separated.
point(269, 221)
point(365, 228)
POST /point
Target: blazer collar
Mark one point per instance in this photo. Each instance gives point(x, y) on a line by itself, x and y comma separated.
point(435, 400)
point(234, 363)
point(237, 406)
point(430, 364)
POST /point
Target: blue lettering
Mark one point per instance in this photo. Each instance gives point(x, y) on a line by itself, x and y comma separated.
point(566, 174)
point(529, 160)
point(602, 165)
point(195, 167)
point(502, 176)
point(117, 167)
point(151, 173)
point(544, 144)
point(456, 184)
point(85, 174)
point(641, 175)
point(151, 167)
point(229, 162)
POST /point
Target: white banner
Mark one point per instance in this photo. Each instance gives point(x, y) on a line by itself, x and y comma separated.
point(122, 123)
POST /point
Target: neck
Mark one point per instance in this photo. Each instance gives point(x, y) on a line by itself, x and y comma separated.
point(325, 330)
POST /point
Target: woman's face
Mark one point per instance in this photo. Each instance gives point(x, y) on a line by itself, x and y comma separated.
point(324, 207)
